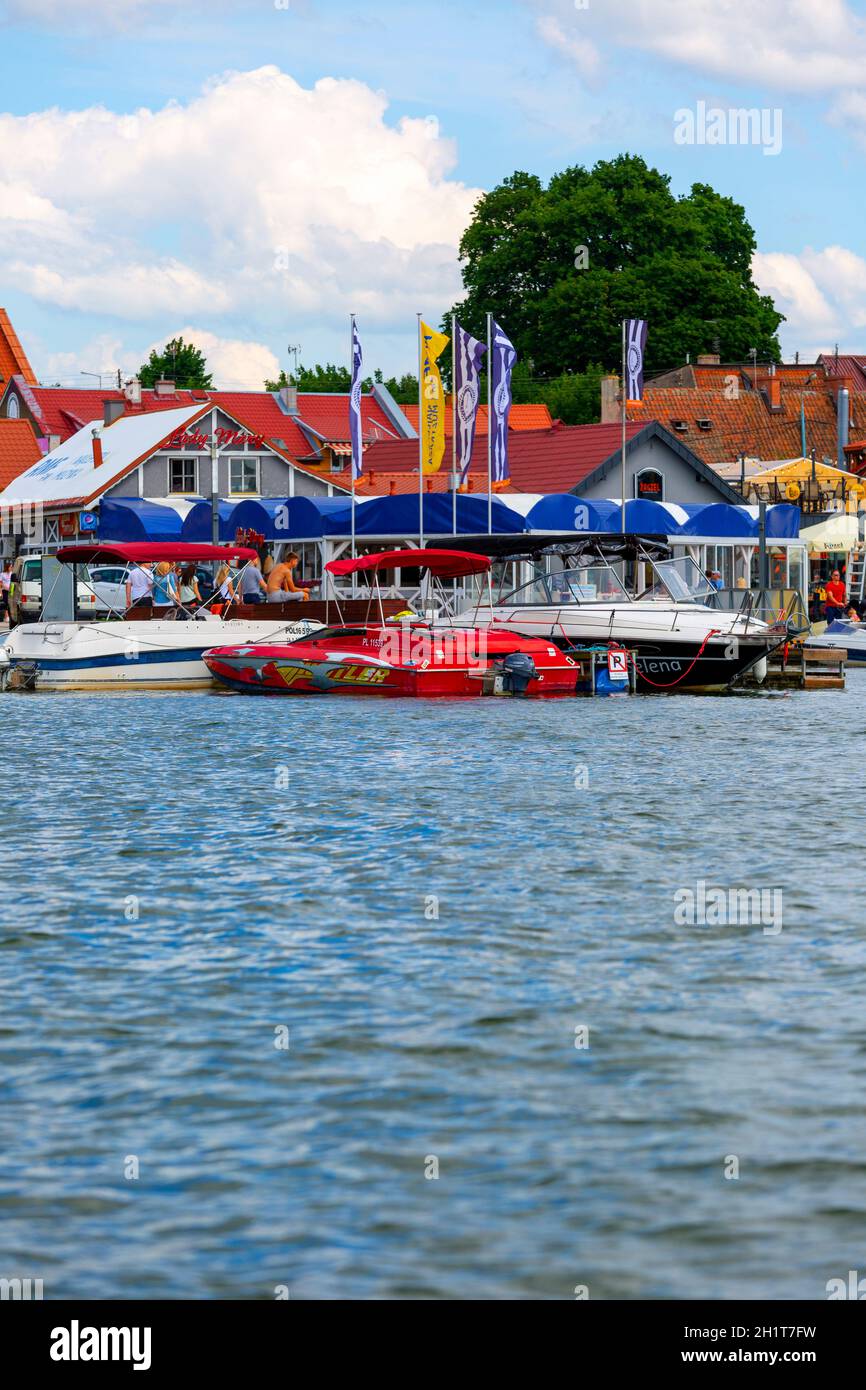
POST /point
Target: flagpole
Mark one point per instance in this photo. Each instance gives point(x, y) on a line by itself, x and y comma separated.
point(420, 442)
point(352, 373)
point(622, 405)
point(454, 424)
point(489, 432)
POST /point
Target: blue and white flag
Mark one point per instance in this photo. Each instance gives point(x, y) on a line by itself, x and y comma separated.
point(635, 344)
point(355, 429)
point(468, 352)
point(504, 358)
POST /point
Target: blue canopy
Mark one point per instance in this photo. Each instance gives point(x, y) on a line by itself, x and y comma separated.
point(398, 516)
point(563, 512)
point(138, 519)
point(313, 518)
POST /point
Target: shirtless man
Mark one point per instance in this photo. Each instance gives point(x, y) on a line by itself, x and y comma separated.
point(281, 584)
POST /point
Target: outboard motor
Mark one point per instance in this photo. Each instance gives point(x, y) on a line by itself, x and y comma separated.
point(518, 670)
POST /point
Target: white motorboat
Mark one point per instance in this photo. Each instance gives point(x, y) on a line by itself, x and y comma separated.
point(843, 634)
point(62, 653)
point(679, 634)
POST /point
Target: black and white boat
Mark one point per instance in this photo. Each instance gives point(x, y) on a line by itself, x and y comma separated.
point(670, 617)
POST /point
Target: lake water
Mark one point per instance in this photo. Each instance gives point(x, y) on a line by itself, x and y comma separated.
point(284, 958)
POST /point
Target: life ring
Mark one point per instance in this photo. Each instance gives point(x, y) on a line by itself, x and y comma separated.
point(792, 491)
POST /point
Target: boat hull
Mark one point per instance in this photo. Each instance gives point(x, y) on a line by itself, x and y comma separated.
point(356, 669)
point(149, 655)
point(672, 648)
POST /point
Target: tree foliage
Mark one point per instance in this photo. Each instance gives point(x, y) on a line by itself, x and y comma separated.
point(180, 362)
point(561, 266)
point(331, 377)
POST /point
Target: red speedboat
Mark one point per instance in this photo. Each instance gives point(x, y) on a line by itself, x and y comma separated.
point(405, 656)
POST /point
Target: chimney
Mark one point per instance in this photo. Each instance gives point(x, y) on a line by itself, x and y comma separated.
point(289, 399)
point(609, 400)
point(841, 425)
point(97, 449)
point(54, 442)
point(774, 393)
point(708, 359)
point(164, 388)
point(132, 391)
point(111, 411)
point(392, 488)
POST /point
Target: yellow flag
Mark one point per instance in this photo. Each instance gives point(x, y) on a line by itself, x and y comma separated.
point(432, 422)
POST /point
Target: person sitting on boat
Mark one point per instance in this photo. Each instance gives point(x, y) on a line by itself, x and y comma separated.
point(165, 593)
point(281, 583)
point(225, 590)
point(139, 587)
point(190, 594)
point(253, 587)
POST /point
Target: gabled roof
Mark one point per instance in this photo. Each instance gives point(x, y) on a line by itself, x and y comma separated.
point(653, 430)
point(70, 476)
point(18, 450)
point(321, 419)
point(13, 358)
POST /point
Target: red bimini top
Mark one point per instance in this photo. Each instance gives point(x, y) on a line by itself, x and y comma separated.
point(445, 564)
point(136, 552)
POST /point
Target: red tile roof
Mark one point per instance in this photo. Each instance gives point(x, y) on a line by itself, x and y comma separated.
point(747, 424)
point(552, 460)
point(19, 449)
point(850, 365)
point(13, 358)
point(64, 410)
point(522, 417)
point(328, 415)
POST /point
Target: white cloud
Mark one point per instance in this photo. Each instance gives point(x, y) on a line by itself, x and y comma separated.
point(281, 202)
point(234, 364)
point(580, 51)
point(822, 294)
point(795, 45)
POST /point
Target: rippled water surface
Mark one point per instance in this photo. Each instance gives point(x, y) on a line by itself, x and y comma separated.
point(186, 875)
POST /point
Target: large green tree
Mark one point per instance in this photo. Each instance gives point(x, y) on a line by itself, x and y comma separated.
point(561, 266)
point(180, 362)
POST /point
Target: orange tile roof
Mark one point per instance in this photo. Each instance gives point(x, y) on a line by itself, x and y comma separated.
point(523, 417)
point(19, 450)
point(13, 358)
point(747, 424)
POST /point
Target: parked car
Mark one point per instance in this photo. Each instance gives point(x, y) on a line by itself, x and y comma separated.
point(109, 585)
point(25, 592)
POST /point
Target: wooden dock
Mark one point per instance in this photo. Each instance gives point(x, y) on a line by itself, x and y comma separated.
point(797, 667)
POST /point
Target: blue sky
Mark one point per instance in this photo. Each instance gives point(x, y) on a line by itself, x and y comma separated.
point(168, 166)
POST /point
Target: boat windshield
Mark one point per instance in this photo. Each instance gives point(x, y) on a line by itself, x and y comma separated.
point(590, 583)
point(680, 579)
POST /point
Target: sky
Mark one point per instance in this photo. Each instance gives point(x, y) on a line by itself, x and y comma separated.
point(250, 172)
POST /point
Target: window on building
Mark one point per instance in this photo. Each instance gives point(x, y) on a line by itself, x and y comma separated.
point(12, 407)
point(243, 475)
point(181, 475)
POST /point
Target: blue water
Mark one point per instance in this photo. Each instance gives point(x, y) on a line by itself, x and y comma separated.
point(186, 874)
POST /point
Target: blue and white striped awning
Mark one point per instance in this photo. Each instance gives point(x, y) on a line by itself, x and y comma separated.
point(387, 518)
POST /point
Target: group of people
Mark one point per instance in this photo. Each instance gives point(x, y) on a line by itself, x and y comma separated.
point(175, 586)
